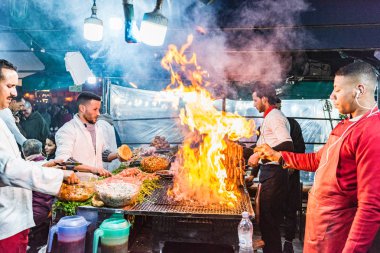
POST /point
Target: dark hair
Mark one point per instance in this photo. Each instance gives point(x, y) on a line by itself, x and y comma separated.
point(278, 100)
point(51, 137)
point(31, 147)
point(86, 96)
point(4, 64)
point(358, 70)
point(267, 91)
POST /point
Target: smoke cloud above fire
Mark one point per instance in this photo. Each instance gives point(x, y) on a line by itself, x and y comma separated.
point(234, 42)
point(250, 43)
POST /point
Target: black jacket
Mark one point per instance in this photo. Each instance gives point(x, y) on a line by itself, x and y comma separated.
point(35, 127)
point(296, 135)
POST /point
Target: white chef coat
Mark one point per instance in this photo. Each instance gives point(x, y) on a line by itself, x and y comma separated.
point(17, 178)
point(74, 140)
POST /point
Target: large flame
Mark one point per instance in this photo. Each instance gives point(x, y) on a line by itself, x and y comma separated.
point(200, 173)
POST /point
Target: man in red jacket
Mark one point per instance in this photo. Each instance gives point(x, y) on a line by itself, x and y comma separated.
point(343, 212)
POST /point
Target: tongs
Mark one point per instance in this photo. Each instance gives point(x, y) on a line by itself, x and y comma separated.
point(70, 165)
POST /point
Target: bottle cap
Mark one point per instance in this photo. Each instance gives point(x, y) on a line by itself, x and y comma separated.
point(245, 214)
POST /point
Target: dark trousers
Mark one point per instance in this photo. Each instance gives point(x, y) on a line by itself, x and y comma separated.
point(291, 205)
point(38, 236)
point(271, 202)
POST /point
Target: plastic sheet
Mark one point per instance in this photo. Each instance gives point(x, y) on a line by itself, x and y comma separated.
point(140, 115)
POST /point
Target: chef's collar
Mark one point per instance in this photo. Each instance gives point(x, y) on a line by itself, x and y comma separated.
point(88, 124)
point(267, 111)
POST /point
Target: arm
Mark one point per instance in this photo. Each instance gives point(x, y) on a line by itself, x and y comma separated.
point(9, 120)
point(20, 173)
point(108, 156)
point(98, 171)
point(367, 218)
point(307, 162)
point(300, 161)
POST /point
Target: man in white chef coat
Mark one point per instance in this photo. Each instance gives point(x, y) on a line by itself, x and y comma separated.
point(18, 177)
point(82, 140)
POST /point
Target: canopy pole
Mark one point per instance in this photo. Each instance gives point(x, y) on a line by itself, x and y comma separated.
point(106, 95)
point(328, 108)
point(378, 92)
point(224, 105)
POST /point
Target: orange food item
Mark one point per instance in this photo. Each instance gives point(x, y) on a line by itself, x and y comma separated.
point(76, 192)
point(124, 152)
point(154, 163)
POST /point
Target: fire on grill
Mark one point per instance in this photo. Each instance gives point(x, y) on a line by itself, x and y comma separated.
point(209, 166)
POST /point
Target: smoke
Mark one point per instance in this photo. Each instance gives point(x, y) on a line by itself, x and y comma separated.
point(235, 42)
point(265, 63)
point(252, 43)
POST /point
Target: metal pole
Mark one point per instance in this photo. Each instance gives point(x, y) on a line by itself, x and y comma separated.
point(224, 105)
point(328, 108)
point(108, 96)
point(104, 106)
point(378, 92)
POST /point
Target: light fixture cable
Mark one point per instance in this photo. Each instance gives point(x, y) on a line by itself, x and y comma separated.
point(158, 5)
point(94, 10)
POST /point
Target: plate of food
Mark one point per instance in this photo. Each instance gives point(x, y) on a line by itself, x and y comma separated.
point(154, 163)
point(117, 193)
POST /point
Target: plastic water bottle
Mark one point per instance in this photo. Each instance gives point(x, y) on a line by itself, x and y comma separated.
point(245, 232)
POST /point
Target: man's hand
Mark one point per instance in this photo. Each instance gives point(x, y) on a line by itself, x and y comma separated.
point(120, 158)
point(115, 155)
point(265, 152)
point(70, 177)
point(249, 179)
point(52, 163)
point(89, 169)
point(253, 160)
point(101, 172)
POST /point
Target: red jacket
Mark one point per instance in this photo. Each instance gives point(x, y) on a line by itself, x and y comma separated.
point(358, 175)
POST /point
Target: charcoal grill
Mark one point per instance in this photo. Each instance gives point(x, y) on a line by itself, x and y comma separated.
point(184, 222)
point(158, 204)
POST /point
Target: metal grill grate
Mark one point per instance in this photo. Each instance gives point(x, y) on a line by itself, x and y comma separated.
point(159, 204)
